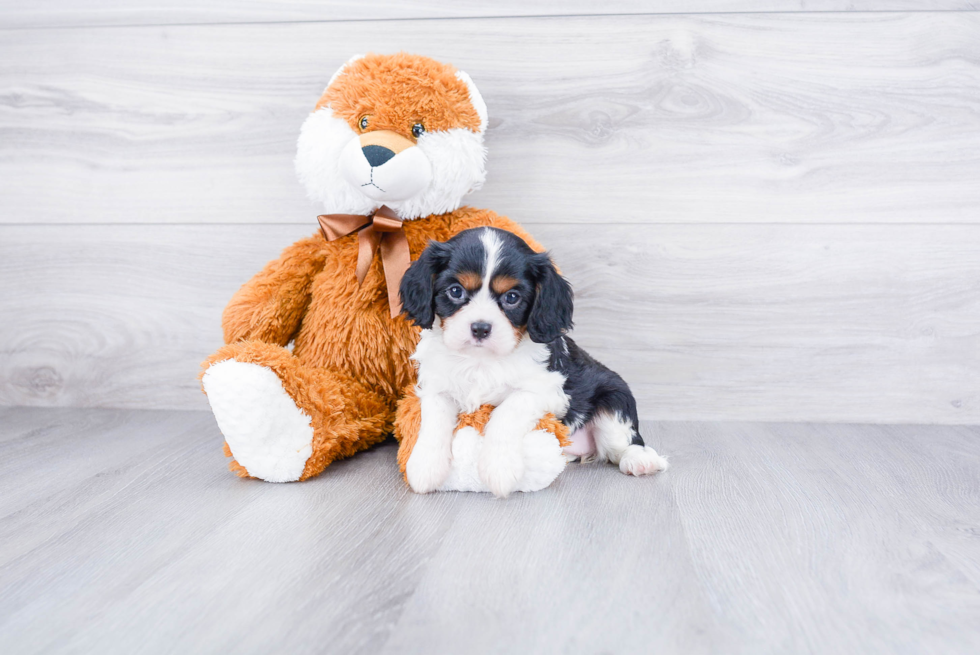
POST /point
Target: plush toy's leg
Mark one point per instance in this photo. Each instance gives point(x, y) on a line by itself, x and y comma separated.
point(284, 421)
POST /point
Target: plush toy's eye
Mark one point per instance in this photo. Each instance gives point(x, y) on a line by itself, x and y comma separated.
point(455, 292)
point(418, 130)
point(511, 298)
point(363, 122)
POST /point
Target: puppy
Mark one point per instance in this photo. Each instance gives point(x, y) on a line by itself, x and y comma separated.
point(494, 315)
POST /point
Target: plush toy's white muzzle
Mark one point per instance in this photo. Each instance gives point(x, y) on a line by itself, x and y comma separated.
point(382, 174)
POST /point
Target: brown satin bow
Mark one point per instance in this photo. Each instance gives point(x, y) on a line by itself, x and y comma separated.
point(382, 228)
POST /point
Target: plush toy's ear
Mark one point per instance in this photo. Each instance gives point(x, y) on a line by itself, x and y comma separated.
point(417, 286)
point(551, 313)
point(475, 99)
point(341, 70)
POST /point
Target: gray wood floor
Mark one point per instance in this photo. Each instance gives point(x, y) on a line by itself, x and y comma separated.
point(121, 531)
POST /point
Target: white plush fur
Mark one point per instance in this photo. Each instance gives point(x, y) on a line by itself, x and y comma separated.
point(321, 140)
point(475, 99)
point(458, 158)
point(267, 433)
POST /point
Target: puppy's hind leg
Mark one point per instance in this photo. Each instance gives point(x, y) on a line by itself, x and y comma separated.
point(618, 441)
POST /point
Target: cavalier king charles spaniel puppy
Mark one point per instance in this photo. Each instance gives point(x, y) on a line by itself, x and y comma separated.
point(494, 315)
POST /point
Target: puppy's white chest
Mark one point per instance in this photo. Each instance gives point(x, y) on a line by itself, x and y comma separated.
point(472, 380)
point(474, 386)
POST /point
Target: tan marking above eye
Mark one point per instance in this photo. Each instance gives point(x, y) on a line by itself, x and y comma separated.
point(470, 281)
point(501, 284)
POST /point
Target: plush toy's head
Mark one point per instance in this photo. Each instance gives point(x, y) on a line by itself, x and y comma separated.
point(397, 130)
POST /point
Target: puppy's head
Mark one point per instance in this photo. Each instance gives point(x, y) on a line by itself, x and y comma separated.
point(488, 289)
point(398, 130)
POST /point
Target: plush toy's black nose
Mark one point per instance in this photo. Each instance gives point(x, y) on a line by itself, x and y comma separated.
point(377, 155)
point(480, 330)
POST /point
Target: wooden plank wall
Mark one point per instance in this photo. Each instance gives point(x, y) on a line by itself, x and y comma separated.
point(770, 210)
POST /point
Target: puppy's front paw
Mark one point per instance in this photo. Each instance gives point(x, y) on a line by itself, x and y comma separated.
point(428, 467)
point(501, 468)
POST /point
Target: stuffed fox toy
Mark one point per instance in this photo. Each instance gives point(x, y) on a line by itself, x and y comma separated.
point(392, 147)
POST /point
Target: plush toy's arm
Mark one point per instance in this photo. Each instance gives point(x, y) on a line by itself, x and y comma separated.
point(270, 306)
point(486, 217)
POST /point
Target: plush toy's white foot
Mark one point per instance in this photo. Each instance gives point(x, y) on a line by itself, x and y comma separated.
point(641, 460)
point(267, 433)
point(543, 461)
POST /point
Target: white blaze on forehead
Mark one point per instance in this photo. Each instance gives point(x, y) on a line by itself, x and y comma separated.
point(482, 308)
point(491, 247)
point(475, 99)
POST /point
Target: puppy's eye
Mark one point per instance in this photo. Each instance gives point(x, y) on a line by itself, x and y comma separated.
point(455, 292)
point(418, 130)
point(511, 298)
point(363, 123)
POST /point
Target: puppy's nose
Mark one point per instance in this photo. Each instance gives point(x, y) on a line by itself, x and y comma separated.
point(377, 155)
point(480, 330)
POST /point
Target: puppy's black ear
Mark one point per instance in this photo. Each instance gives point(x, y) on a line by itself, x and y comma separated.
point(416, 289)
point(551, 314)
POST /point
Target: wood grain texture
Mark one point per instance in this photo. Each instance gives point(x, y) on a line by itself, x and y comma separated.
point(122, 532)
point(762, 322)
point(772, 118)
point(60, 13)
